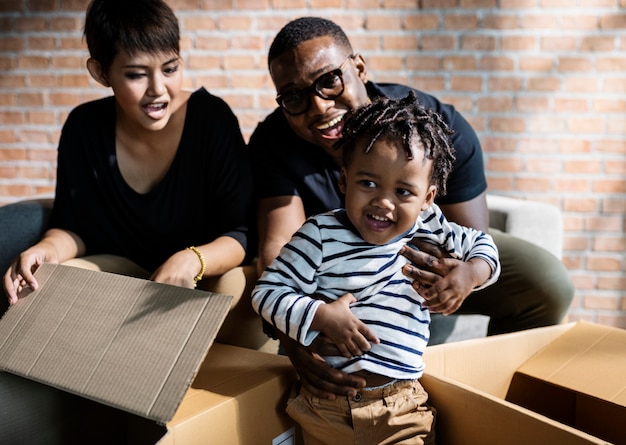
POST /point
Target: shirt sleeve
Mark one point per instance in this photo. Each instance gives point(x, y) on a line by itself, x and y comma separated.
point(463, 243)
point(282, 295)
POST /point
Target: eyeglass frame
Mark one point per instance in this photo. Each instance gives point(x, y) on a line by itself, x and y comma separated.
point(313, 88)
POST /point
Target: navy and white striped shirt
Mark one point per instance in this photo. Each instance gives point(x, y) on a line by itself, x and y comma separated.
point(327, 258)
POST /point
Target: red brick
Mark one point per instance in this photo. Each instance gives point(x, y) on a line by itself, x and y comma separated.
point(575, 65)
point(610, 105)
point(579, 22)
point(438, 42)
point(460, 22)
point(501, 22)
point(459, 63)
point(579, 85)
point(544, 84)
point(497, 63)
point(234, 23)
point(617, 282)
point(481, 4)
point(586, 125)
point(613, 21)
point(423, 63)
point(558, 43)
point(399, 43)
point(543, 166)
point(572, 185)
point(504, 84)
point(377, 22)
point(580, 205)
point(597, 43)
point(609, 186)
point(420, 22)
point(400, 4)
point(582, 166)
point(504, 165)
point(222, 5)
point(478, 43)
point(319, 4)
point(495, 104)
point(609, 244)
point(540, 22)
point(519, 43)
point(570, 104)
point(469, 83)
point(614, 205)
point(532, 104)
point(430, 84)
point(66, 24)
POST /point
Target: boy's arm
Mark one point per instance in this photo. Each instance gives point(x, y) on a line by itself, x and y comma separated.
point(282, 293)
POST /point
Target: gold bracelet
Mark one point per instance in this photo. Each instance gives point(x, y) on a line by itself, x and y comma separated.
point(202, 265)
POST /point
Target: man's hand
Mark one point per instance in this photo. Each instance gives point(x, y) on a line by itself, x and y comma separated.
point(317, 376)
point(426, 265)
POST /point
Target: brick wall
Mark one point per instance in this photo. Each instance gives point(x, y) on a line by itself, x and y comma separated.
point(542, 81)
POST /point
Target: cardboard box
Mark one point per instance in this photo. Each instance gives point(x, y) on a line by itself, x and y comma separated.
point(239, 397)
point(570, 379)
point(137, 346)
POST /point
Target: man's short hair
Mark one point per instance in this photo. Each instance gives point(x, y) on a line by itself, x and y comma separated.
point(303, 29)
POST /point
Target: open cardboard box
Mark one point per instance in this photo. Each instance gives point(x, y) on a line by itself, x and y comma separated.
point(563, 384)
point(137, 346)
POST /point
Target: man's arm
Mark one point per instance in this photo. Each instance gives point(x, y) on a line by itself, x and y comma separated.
point(278, 218)
point(473, 213)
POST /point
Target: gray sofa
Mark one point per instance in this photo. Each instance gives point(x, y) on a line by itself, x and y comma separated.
point(22, 224)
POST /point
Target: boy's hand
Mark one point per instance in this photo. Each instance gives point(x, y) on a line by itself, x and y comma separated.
point(336, 321)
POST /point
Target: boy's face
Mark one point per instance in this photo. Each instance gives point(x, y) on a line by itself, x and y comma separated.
point(385, 191)
point(322, 123)
point(146, 87)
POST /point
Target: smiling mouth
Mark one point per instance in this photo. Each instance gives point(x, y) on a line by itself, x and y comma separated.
point(155, 111)
point(332, 128)
point(150, 108)
point(378, 222)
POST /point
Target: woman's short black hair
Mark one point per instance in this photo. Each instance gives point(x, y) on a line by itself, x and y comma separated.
point(133, 26)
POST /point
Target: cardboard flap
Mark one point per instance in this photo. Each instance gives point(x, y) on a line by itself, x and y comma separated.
point(588, 358)
point(129, 343)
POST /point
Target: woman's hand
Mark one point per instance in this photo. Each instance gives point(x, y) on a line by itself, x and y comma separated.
point(55, 247)
point(179, 269)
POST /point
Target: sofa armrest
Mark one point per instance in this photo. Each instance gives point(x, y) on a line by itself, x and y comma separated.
point(536, 222)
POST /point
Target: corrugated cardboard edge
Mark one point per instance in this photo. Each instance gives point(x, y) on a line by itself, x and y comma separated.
point(586, 353)
point(30, 329)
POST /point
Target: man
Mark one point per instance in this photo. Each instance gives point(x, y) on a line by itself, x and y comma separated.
point(319, 80)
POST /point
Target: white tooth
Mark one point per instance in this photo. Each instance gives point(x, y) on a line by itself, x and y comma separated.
point(330, 124)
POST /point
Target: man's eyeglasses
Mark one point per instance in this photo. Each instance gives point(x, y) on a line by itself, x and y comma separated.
point(328, 86)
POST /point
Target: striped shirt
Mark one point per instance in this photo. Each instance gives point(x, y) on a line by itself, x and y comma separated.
point(327, 258)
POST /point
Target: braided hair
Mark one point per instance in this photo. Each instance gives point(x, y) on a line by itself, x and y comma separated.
point(406, 120)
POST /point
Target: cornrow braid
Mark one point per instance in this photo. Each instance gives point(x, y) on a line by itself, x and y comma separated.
point(407, 120)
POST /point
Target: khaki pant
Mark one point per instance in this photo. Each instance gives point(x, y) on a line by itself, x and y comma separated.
point(393, 414)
